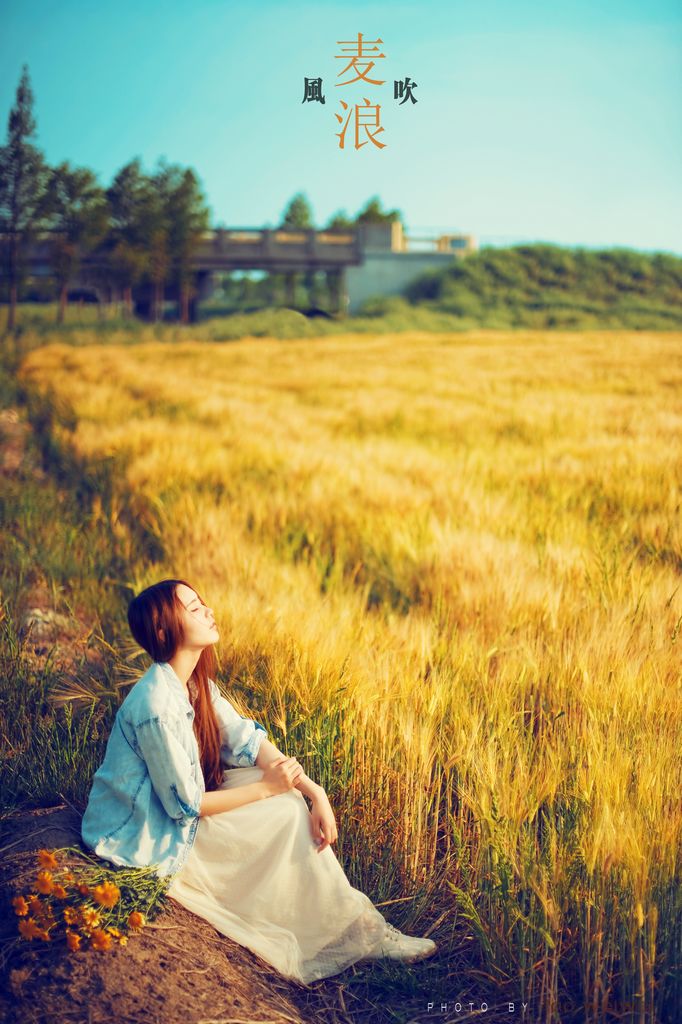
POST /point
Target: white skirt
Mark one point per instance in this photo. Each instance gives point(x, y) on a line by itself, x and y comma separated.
point(255, 874)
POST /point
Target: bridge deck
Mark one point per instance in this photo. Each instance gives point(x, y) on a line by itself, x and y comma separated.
point(242, 249)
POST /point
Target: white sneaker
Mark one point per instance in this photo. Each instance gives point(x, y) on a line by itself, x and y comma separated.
point(397, 946)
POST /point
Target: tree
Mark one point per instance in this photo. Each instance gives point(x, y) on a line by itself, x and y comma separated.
point(78, 215)
point(156, 235)
point(373, 214)
point(23, 175)
point(340, 223)
point(187, 218)
point(298, 215)
point(129, 237)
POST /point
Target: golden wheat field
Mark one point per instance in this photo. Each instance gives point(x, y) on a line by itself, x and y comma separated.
point(448, 567)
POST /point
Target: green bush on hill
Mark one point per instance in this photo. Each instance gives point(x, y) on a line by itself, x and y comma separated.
point(551, 286)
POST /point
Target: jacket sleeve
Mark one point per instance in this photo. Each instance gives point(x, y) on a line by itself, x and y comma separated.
point(170, 769)
point(240, 738)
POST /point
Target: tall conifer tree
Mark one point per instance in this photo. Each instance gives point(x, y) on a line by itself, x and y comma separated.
point(23, 176)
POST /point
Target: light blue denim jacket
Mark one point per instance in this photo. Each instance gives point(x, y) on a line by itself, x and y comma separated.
point(143, 807)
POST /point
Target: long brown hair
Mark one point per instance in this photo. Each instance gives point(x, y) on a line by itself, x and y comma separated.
point(154, 617)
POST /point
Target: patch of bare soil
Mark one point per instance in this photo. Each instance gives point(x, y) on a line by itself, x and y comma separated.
point(14, 431)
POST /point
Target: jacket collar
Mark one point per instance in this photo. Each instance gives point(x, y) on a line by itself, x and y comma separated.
point(176, 685)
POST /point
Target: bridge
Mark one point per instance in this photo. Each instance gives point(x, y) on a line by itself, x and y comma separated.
point(278, 250)
point(239, 249)
point(371, 259)
point(221, 250)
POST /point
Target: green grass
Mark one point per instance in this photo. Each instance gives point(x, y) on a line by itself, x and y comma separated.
point(59, 549)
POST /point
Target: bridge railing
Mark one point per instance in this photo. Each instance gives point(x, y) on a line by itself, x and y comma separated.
point(276, 249)
point(283, 235)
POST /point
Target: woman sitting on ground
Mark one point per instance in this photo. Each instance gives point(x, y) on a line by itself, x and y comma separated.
point(191, 787)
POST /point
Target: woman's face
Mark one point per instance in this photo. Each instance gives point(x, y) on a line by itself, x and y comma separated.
point(198, 622)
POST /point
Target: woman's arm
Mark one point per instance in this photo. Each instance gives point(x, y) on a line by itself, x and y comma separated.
point(219, 800)
point(239, 737)
point(322, 821)
point(268, 752)
point(278, 777)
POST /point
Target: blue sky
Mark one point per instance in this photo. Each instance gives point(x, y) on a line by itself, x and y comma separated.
point(534, 121)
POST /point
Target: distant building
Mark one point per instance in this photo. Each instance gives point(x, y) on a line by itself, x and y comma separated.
point(391, 260)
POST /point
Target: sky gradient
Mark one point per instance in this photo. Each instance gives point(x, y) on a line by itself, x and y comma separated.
point(534, 122)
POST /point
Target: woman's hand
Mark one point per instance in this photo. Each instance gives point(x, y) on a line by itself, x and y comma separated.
point(281, 775)
point(322, 821)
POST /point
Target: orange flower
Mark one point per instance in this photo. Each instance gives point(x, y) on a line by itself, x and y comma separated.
point(84, 889)
point(47, 859)
point(70, 915)
point(44, 882)
point(60, 892)
point(41, 911)
point(20, 906)
point(73, 940)
point(69, 876)
point(36, 907)
point(29, 929)
point(100, 940)
point(107, 894)
point(136, 920)
point(90, 917)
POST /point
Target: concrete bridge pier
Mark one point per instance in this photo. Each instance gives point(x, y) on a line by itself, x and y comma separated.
point(337, 286)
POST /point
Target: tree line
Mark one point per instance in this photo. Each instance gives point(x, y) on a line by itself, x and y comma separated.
point(148, 225)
